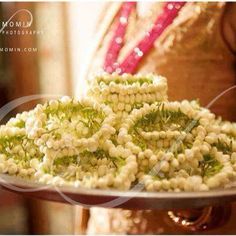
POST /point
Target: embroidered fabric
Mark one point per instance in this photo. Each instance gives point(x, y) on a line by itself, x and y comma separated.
point(197, 63)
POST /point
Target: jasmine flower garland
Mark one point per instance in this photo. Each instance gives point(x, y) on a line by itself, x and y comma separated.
point(124, 132)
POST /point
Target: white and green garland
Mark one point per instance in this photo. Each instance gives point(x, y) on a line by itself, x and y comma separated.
point(123, 133)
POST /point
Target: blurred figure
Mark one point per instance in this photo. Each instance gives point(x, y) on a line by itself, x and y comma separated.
point(196, 53)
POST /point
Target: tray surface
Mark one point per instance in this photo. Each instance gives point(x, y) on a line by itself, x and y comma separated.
point(133, 199)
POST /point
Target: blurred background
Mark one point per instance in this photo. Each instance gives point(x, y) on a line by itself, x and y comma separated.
point(42, 51)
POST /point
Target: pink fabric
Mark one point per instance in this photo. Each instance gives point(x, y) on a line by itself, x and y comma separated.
point(118, 37)
point(130, 63)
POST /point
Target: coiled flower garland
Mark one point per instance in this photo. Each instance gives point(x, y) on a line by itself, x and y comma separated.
point(126, 92)
point(124, 132)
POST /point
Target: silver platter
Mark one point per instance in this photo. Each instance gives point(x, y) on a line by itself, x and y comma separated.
point(118, 199)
